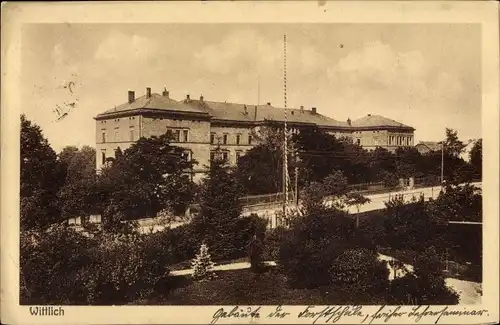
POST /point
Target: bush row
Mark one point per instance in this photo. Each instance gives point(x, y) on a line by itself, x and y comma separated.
point(108, 268)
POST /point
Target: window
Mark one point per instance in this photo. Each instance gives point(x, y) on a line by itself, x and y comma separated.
point(238, 156)
point(169, 134)
point(238, 136)
point(224, 139)
point(103, 137)
point(249, 139)
point(359, 141)
point(185, 135)
point(131, 134)
point(177, 135)
point(212, 137)
point(225, 156)
point(212, 155)
point(103, 157)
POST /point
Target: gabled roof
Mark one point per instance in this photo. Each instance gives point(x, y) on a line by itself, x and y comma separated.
point(243, 112)
point(377, 121)
point(155, 102)
point(431, 145)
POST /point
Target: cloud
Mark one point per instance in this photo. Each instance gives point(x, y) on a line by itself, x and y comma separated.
point(378, 72)
point(123, 47)
point(250, 51)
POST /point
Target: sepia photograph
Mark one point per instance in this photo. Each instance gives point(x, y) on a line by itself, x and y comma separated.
point(246, 164)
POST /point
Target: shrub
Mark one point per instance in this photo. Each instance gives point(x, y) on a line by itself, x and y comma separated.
point(59, 259)
point(359, 270)
point(107, 268)
point(425, 285)
point(126, 269)
point(311, 246)
point(272, 242)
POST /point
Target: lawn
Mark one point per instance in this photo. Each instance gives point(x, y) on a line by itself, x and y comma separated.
point(246, 288)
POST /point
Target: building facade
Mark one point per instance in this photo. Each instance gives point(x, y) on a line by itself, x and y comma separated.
point(200, 126)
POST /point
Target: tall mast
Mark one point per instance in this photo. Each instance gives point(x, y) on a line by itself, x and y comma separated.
point(285, 148)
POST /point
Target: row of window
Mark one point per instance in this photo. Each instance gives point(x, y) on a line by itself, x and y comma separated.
point(215, 139)
point(186, 155)
point(225, 155)
point(178, 135)
point(400, 140)
point(117, 135)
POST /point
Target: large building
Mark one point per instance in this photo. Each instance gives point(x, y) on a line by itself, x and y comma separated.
point(200, 126)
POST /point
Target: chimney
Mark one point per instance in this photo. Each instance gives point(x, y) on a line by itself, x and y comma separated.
point(349, 121)
point(188, 98)
point(268, 103)
point(201, 98)
point(302, 109)
point(165, 92)
point(131, 96)
point(313, 110)
point(148, 92)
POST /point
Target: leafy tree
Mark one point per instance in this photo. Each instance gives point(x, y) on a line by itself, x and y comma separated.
point(266, 158)
point(452, 145)
point(408, 162)
point(259, 161)
point(220, 209)
point(148, 177)
point(311, 246)
point(458, 203)
point(476, 157)
point(359, 270)
point(41, 178)
point(321, 153)
point(332, 189)
point(424, 286)
point(412, 226)
point(78, 195)
point(357, 200)
point(382, 164)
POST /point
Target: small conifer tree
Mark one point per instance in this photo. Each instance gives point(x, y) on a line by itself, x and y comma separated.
point(202, 264)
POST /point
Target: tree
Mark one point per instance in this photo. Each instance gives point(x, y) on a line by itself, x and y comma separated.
point(41, 178)
point(220, 210)
point(407, 162)
point(425, 285)
point(332, 188)
point(452, 145)
point(321, 153)
point(78, 195)
point(357, 200)
point(148, 177)
point(476, 157)
point(312, 244)
point(412, 226)
point(202, 264)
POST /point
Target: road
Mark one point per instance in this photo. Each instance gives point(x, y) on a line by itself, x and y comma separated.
point(269, 210)
point(377, 201)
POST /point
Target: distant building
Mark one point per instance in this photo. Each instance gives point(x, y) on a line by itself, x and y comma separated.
point(425, 147)
point(200, 126)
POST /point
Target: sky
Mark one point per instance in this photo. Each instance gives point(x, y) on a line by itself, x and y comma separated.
point(424, 75)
